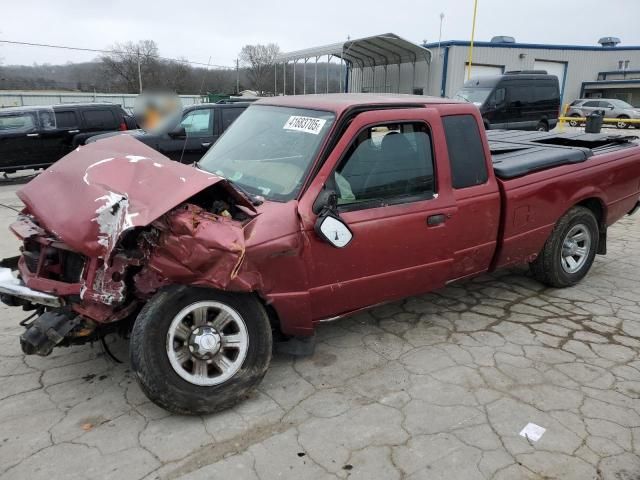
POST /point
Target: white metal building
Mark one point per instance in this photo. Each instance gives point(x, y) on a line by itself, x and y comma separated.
point(591, 71)
point(389, 63)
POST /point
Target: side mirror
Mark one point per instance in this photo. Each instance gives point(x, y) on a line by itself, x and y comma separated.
point(333, 230)
point(329, 226)
point(178, 132)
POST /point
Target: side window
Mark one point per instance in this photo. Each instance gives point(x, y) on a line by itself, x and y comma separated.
point(544, 93)
point(198, 123)
point(499, 96)
point(22, 122)
point(66, 119)
point(390, 163)
point(101, 119)
point(229, 115)
point(591, 104)
point(466, 152)
point(519, 94)
point(604, 104)
point(47, 120)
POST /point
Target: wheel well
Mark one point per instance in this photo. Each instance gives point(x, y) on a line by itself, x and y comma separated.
point(597, 207)
point(623, 116)
point(274, 318)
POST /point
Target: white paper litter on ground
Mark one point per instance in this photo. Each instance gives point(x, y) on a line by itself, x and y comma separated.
point(533, 432)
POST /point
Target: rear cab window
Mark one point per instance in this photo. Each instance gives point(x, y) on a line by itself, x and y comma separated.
point(466, 151)
point(387, 164)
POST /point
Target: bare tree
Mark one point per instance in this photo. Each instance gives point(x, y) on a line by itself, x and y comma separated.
point(259, 61)
point(134, 63)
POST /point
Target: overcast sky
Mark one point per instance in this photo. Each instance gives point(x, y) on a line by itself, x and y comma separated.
point(199, 29)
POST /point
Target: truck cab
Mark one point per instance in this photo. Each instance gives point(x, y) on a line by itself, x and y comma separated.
point(517, 100)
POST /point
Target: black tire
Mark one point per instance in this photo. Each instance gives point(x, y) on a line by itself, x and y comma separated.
point(150, 360)
point(548, 267)
point(542, 126)
point(621, 124)
point(574, 123)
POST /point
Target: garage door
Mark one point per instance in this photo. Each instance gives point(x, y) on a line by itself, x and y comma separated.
point(558, 69)
point(482, 70)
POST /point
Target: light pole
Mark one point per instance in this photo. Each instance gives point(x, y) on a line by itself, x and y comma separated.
point(440, 34)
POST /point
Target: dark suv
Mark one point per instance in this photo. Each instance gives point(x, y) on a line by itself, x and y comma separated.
point(35, 137)
point(187, 137)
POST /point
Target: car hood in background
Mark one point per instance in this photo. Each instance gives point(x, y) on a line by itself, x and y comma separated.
point(98, 191)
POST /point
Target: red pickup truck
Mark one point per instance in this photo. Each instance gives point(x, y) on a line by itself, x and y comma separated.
point(308, 208)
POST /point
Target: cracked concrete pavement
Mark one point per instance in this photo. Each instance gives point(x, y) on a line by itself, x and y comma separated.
point(435, 386)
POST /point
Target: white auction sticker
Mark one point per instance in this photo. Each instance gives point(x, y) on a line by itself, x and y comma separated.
point(304, 124)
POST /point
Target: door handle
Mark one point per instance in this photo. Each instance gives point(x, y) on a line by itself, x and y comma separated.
point(33, 135)
point(206, 144)
point(74, 131)
point(438, 219)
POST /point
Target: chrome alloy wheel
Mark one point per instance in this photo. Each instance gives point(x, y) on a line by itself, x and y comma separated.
point(575, 248)
point(207, 343)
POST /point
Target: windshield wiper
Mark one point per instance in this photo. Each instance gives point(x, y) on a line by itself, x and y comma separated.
point(255, 200)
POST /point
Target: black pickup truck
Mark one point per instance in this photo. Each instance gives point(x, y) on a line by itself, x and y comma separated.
point(187, 137)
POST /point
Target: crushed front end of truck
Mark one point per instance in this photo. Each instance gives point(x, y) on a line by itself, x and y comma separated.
point(109, 225)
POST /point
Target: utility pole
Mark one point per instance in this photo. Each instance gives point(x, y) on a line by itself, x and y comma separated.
point(139, 72)
point(237, 76)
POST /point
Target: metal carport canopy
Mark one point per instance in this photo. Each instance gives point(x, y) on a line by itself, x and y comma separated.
point(386, 49)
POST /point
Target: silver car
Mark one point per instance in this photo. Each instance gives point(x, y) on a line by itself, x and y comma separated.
point(612, 107)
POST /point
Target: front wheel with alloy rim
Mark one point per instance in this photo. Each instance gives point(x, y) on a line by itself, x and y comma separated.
point(196, 350)
point(569, 251)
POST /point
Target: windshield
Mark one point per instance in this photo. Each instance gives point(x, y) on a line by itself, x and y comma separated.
point(620, 104)
point(268, 150)
point(476, 96)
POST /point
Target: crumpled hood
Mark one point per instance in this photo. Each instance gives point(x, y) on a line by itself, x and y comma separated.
point(95, 193)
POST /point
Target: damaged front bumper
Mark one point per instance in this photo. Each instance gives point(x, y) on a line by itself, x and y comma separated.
point(14, 292)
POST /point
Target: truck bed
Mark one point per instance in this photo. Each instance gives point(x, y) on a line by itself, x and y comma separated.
point(516, 153)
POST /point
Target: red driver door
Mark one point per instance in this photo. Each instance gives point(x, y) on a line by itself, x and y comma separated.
point(390, 172)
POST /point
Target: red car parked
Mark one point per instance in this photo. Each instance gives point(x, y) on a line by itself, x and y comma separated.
point(308, 208)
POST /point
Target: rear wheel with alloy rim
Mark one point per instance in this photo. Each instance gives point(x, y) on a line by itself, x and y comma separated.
point(197, 350)
point(569, 251)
